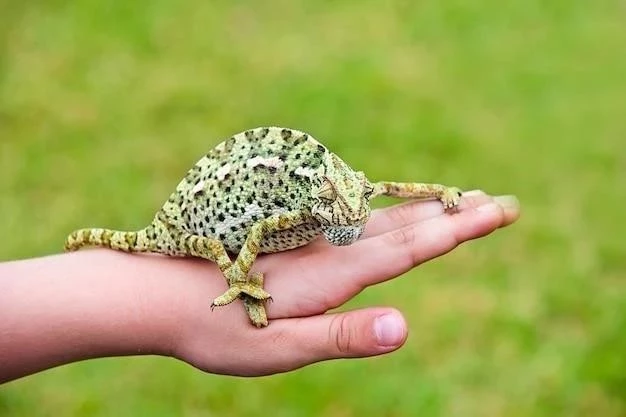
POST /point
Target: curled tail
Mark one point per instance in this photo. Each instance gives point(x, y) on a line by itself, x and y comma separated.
point(125, 241)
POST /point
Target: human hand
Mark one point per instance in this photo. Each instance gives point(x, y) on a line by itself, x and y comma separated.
point(307, 282)
point(97, 303)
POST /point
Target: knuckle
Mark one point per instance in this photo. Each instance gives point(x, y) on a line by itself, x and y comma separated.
point(402, 214)
point(341, 335)
point(404, 236)
point(405, 239)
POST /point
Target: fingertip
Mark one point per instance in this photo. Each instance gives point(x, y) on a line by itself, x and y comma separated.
point(352, 334)
point(511, 207)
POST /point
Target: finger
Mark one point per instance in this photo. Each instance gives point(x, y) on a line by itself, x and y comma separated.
point(397, 251)
point(374, 260)
point(510, 206)
point(400, 215)
point(353, 334)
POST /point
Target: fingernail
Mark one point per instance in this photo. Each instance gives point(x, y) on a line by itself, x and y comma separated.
point(488, 207)
point(507, 201)
point(389, 330)
point(473, 193)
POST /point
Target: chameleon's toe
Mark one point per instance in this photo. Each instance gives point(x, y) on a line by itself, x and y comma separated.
point(256, 311)
point(256, 308)
point(451, 198)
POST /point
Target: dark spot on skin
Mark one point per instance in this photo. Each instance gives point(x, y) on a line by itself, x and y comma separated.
point(285, 134)
point(249, 134)
point(300, 140)
point(249, 200)
point(228, 146)
point(264, 132)
point(221, 217)
point(227, 189)
point(321, 148)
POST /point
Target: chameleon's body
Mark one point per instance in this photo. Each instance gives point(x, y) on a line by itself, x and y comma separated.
point(261, 191)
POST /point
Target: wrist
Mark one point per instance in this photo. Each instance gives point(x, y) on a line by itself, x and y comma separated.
point(89, 304)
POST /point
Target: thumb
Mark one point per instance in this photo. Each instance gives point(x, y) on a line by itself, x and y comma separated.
point(353, 334)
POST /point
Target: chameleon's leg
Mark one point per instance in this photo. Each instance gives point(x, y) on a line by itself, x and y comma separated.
point(240, 283)
point(213, 250)
point(450, 197)
point(124, 241)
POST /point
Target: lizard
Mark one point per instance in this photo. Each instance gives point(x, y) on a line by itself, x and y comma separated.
point(263, 190)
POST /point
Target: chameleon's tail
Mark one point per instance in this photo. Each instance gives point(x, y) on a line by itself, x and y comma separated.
point(138, 241)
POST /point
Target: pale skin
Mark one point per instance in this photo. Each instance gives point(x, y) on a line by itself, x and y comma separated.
point(99, 303)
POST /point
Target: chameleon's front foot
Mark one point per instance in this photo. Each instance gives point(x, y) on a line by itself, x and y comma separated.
point(253, 296)
point(451, 198)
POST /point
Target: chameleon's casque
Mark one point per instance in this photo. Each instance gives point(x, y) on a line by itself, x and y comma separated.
point(264, 190)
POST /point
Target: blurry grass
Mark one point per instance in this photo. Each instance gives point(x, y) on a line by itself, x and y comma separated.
point(104, 105)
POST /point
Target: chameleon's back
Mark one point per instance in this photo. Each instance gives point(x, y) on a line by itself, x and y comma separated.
point(249, 177)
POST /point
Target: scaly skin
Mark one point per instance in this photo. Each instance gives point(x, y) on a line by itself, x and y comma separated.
point(264, 190)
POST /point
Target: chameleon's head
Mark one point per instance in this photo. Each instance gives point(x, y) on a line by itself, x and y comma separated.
point(341, 202)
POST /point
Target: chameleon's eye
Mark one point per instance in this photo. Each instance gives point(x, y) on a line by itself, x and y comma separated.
point(327, 192)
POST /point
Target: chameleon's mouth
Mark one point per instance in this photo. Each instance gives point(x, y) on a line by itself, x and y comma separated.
point(343, 235)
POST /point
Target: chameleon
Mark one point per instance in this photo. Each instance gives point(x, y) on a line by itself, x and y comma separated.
point(264, 190)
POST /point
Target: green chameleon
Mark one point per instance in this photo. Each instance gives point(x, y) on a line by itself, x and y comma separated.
point(265, 190)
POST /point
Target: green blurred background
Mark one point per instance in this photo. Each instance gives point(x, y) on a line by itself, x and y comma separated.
point(104, 106)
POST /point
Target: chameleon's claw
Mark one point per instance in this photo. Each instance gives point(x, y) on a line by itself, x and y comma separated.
point(451, 198)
